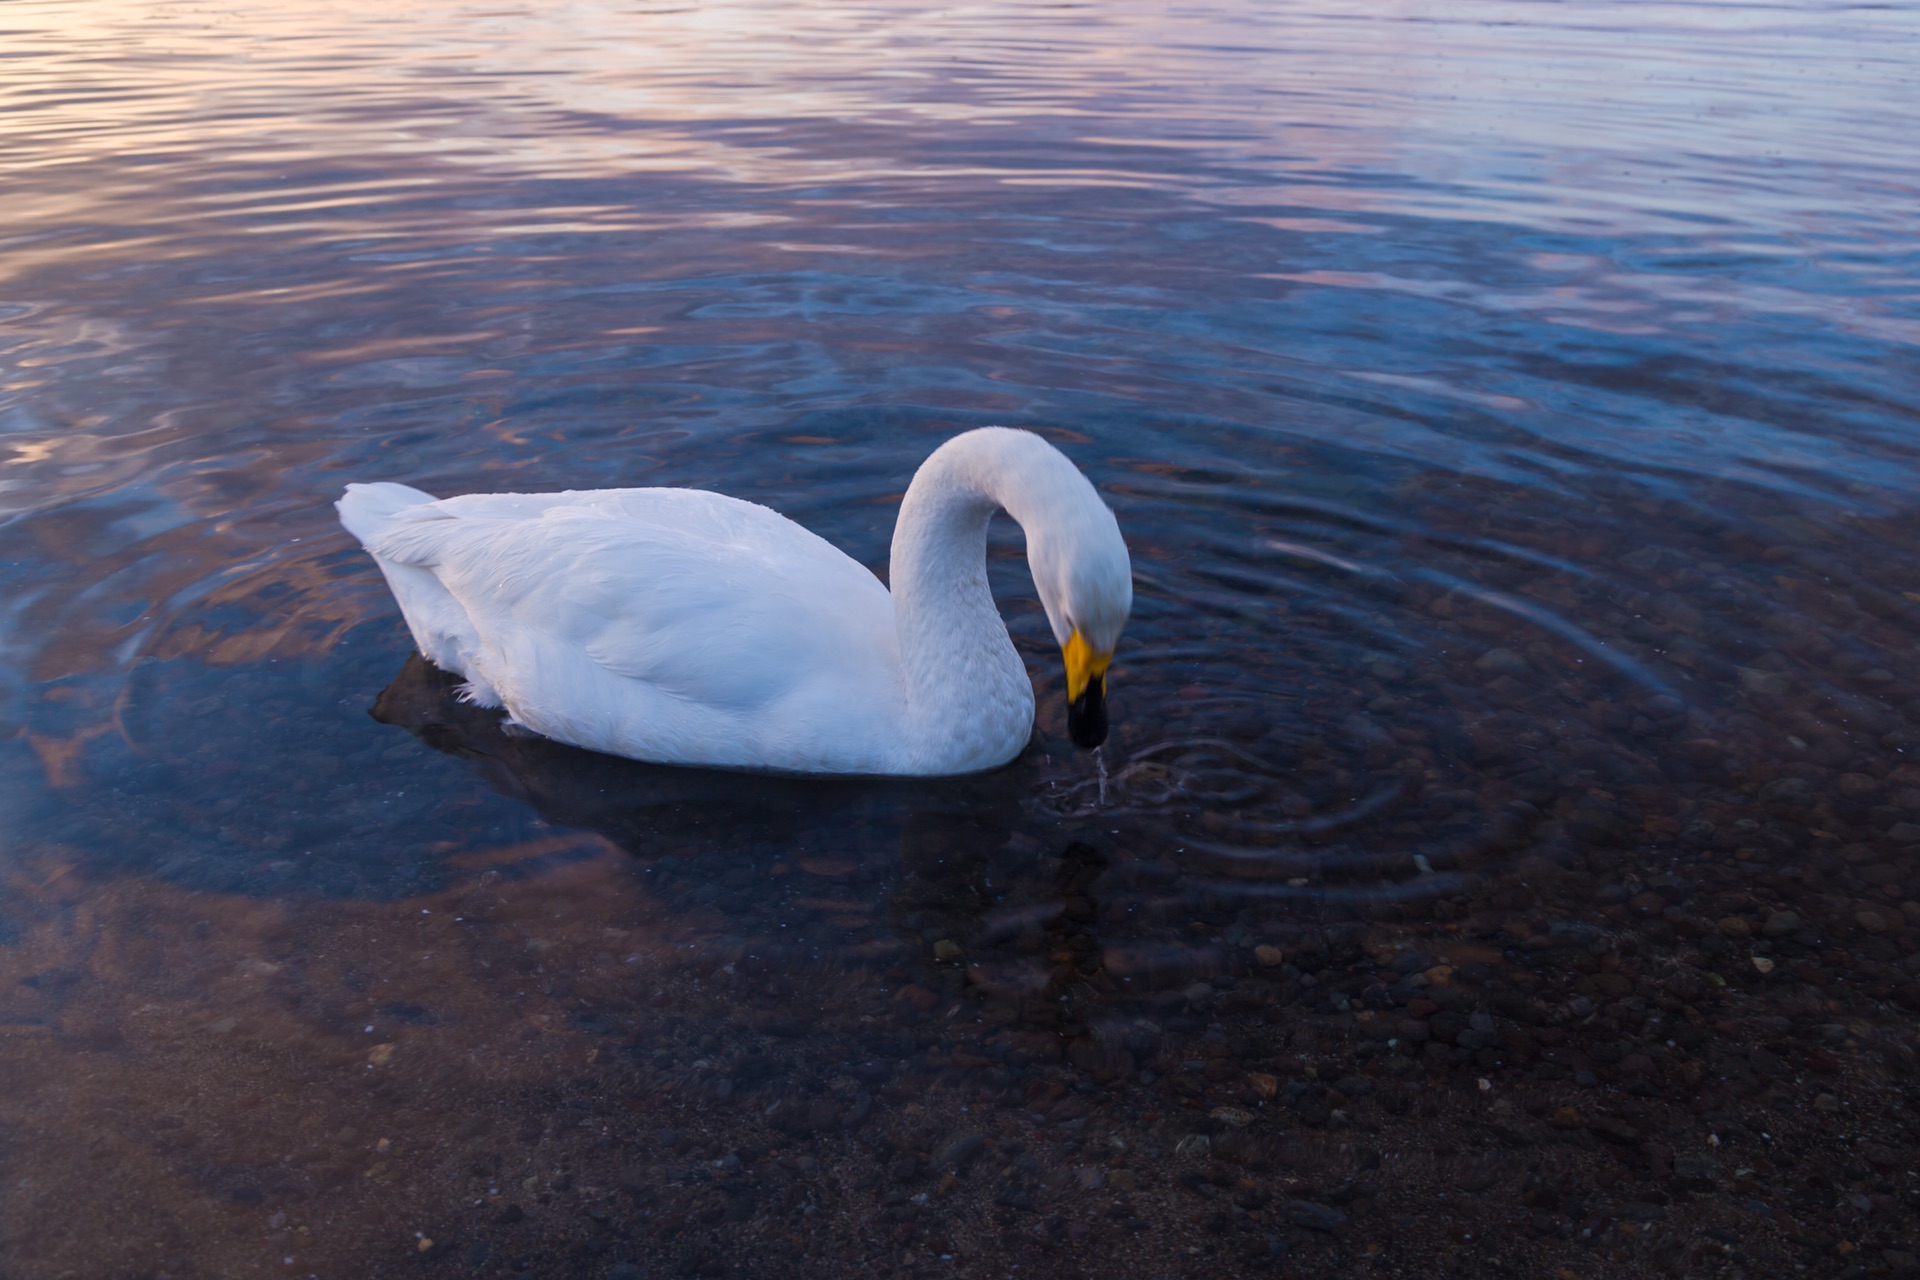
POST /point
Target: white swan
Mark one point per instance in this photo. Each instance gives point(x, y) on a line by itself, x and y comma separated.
point(684, 627)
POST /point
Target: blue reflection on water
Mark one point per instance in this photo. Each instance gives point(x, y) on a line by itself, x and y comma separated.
point(1473, 309)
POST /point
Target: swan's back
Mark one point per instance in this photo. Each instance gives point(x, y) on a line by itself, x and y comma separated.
point(663, 624)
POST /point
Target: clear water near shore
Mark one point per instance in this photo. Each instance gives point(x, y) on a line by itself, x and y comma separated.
point(1507, 859)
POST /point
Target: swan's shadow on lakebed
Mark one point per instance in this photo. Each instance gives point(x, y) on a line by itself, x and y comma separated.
point(980, 870)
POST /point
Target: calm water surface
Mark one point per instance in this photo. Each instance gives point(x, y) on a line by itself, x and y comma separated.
point(1514, 413)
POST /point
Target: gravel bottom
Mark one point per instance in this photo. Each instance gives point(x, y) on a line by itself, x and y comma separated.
point(549, 1071)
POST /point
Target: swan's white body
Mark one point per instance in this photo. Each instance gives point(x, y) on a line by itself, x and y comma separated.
point(685, 627)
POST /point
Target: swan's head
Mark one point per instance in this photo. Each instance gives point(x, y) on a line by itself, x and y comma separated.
point(1085, 580)
point(1074, 549)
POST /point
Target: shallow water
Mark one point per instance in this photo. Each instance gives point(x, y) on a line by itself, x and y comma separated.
point(1512, 412)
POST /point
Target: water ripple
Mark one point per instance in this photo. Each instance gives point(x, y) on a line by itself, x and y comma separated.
point(1452, 375)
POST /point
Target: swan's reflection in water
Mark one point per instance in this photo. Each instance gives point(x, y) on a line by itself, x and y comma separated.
point(787, 868)
point(753, 819)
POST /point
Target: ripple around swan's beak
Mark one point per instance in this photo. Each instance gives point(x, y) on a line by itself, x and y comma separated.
point(1086, 692)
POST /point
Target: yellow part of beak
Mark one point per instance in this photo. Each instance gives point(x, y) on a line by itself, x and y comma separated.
point(1084, 665)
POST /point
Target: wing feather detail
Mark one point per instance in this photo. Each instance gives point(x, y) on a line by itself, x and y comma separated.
point(704, 599)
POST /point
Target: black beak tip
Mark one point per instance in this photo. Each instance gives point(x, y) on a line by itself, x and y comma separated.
point(1087, 716)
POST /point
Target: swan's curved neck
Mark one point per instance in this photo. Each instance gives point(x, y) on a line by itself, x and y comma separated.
point(968, 695)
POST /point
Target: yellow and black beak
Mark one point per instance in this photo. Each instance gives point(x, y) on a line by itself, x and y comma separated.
point(1086, 691)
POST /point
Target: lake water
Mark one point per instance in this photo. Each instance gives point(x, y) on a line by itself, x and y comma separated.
point(1508, 855)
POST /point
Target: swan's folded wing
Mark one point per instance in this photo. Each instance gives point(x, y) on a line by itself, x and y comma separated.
point(700, 597)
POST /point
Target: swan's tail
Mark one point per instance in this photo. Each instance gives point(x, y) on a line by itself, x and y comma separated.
point(439, 622)
point(366, 509)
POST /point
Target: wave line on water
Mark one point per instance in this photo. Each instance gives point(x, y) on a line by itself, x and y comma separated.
point(1574, 635)
point(1373, 802)
point(1384, 893)
point(1174, 780)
